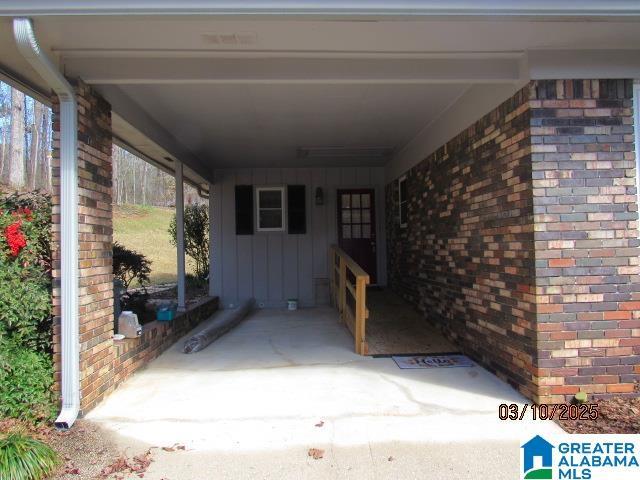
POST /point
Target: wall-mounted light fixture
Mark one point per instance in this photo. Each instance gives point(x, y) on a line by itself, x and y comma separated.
point(319, 196)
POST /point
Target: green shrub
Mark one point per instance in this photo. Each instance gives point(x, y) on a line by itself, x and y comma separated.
point(196, 237)
point(25, 306)
point(24, 458)
point(26, 371)
point(129, 265)
point(26, 380)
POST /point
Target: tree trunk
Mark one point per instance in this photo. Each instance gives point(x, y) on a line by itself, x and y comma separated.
point(45, 152)
point(16, 161)
point(144, 183)
point(3, 156)
point(32, 163)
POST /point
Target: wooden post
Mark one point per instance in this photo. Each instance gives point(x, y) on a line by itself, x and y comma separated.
point(360, 314)
point(332, 276)
point(342, 279)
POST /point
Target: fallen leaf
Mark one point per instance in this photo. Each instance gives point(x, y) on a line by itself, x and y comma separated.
point(174, 447)
point(316, 453)
point(390, 459)
point(320, 423)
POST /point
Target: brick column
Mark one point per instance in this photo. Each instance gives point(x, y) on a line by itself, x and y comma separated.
point(586, 238)
point(95, 238)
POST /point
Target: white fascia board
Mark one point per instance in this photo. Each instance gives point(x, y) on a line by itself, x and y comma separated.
point(405, 8)
point(579, 64)
point(120, 71)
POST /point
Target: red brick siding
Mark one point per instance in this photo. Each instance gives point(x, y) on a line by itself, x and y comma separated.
point(95, 239)
point(522, 241)
point(466, 257)
point(586, 234)
point(133, 354)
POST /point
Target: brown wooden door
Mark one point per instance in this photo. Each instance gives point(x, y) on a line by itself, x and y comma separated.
point(357, 227)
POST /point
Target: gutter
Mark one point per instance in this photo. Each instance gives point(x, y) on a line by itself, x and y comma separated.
point(331, 9)
point(70, 353)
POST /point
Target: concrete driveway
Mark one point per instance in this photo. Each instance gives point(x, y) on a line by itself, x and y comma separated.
point(248, 406)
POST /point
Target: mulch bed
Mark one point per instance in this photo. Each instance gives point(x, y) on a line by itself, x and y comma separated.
point(615, 415)
point(86, 451)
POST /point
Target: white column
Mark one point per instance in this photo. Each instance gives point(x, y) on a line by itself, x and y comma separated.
point(212, 288)
point(180, 236)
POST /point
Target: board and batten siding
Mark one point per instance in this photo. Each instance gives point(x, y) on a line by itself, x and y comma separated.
point(275, 266)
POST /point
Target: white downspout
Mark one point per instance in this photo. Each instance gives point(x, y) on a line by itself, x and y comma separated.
point(30, 50)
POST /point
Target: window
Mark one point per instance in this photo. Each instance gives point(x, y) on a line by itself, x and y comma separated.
point(271, 214)
point(402, 200)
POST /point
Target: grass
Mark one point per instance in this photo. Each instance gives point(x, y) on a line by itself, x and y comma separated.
point(24, 458)
point(146, 230)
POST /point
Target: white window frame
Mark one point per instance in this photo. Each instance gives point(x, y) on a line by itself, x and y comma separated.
point(283, 206)
point(406, 201)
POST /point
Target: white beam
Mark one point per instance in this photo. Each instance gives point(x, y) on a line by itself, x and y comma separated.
point(189, 70)
point(180, 237)
point(581, 64)
point(136, 116)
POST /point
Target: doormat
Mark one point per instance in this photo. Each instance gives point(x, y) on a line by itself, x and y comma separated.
point(432, 361)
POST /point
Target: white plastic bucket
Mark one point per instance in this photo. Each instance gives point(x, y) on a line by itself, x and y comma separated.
point(292, 304)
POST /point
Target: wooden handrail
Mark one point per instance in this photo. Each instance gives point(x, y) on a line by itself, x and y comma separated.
point(341, 288)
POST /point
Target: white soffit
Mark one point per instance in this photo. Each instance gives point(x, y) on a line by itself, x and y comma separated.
point(252, 90)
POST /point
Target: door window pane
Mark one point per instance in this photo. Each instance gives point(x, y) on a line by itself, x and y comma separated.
point(355, 216)
point(346, 216)
point(355, 200)
point(366, 231)
point(346, 200)
point(365, 201)
point(366, 216)
point(356, 231)
point(346, 231)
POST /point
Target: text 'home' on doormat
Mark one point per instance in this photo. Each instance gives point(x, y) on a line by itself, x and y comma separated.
point(432, 361)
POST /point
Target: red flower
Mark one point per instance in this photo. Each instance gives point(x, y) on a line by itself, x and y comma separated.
point(24, 211)
point(15, 238)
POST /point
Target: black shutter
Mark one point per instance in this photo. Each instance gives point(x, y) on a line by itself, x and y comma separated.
point(297, 209)
point(244, 209)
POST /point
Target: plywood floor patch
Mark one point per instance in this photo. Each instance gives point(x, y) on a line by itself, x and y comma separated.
point(395, 327)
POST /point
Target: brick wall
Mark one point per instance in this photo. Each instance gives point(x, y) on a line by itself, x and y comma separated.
point(134, 353)
point(466, 257)
point(586, 234)
point(521, 243)
point(95, 238)
point(103, 365)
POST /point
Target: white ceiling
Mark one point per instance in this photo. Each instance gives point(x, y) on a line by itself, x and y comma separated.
point(264, 125)
point(249, 91)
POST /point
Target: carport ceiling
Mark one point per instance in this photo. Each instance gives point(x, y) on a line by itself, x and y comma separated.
point(256, 91)
point(265, 124)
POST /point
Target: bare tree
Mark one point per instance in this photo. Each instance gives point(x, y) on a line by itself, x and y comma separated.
point(44, 169)
point(16, 166)
point(34, 150)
